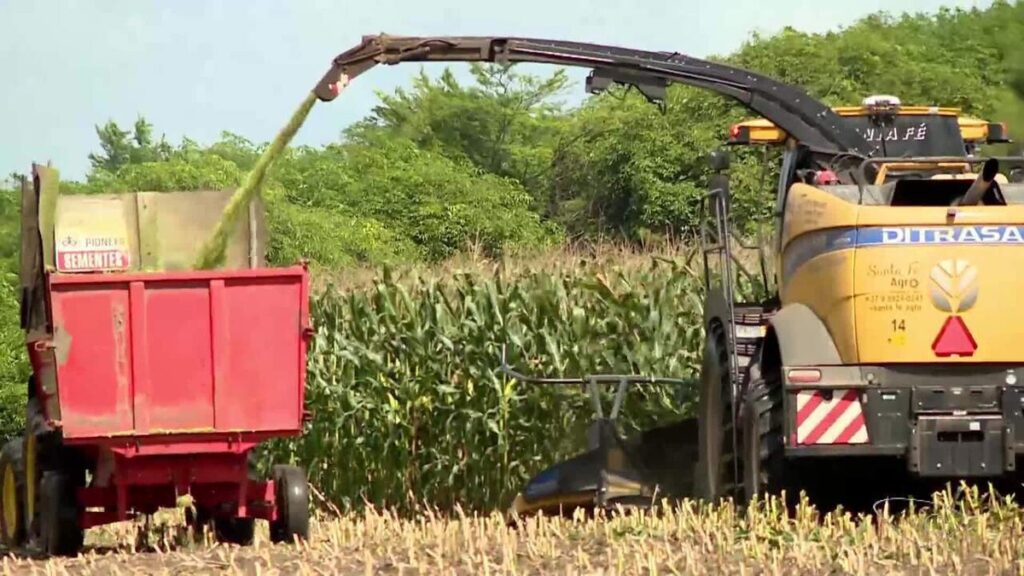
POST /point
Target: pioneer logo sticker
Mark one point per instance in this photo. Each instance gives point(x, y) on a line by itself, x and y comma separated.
point(83, 253)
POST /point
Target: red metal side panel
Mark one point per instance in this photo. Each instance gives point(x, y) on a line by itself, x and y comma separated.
point(174, 383)
point(181, 353)
point(93, 349)
point(256, 348)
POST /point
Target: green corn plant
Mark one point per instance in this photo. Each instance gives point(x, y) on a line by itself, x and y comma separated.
point(409, 405)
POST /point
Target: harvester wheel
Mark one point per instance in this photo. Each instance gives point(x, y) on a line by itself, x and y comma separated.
point(60, 528)
point(292, 500)
point(12, 484)
point(762, 434)
point(715, 473)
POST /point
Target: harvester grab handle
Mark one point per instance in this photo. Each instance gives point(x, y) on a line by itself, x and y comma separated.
point(789, 107)
point(971, 160)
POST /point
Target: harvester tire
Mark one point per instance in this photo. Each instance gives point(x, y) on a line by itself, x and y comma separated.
point(762, 435)
point(12, 488)
point(715, 474)
point(292, 501)
point(60, 529)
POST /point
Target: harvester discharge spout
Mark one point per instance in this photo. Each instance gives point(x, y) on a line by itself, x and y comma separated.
point(811, 122)
point(658, 464)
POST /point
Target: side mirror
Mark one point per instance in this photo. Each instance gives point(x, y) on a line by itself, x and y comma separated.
point(719, 160)
point(998, 134)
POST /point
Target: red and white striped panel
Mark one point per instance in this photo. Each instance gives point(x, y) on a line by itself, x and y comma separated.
point(839, 420)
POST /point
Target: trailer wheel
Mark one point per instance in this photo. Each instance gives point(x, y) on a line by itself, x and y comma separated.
point(762, 434)
point(60, 528)
point(196, 522)
point(292, 500)
point(12, 504)
point(234, 530)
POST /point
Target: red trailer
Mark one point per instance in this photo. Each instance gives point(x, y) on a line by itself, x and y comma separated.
point(151, 380)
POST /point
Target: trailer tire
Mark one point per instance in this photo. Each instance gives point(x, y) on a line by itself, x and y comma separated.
point(292, 499)
point(12, 486)
point(60, 528)
point(234, 530)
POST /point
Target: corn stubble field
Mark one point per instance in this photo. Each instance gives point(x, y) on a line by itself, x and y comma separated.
point(969, 535)
point(411, 417)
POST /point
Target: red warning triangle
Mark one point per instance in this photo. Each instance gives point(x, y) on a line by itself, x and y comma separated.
point(954, 339)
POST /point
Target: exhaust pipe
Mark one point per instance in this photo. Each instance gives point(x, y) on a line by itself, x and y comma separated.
point(981, 184)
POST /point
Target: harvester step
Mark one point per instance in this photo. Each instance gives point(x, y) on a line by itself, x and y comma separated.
point(751, 316)
point(748, 333)
point(746, 348)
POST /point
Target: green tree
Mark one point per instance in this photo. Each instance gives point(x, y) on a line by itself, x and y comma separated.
point(504, 124)
point(438, 204)
point(122, 147)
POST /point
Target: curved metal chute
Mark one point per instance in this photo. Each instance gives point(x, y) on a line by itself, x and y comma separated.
point(809, 121)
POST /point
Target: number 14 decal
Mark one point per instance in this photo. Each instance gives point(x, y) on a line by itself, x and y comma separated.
point(899, 332)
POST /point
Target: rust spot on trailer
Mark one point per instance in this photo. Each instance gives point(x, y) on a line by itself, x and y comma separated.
point(122, 364)
point(61, 344)
point(121, 349)
point(180, 431)
point(180, 418)
point(110, 422)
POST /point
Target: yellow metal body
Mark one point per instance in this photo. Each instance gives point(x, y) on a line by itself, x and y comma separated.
point(31, 476)
point(10, 503)
point(885, 279)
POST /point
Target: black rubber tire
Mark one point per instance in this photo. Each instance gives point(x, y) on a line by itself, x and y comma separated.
point(715, 427)
point(234, 530)
point(11, 457)
point(60, 529)
point(763, 457)
point(225, 529)
point(198, 520)
point(292, 500)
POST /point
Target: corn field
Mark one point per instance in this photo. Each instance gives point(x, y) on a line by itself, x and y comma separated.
point(403, 377)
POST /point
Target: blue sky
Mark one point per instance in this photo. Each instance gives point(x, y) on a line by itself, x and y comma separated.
point(197, 67)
